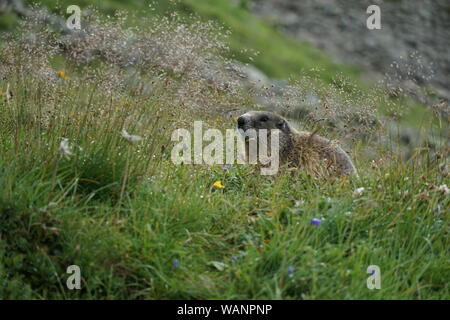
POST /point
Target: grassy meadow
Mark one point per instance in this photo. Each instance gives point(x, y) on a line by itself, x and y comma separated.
point(74, 191)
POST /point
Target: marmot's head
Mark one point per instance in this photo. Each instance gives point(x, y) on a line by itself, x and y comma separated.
point(262, 120)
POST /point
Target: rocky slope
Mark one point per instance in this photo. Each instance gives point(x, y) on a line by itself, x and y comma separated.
point(412, 45)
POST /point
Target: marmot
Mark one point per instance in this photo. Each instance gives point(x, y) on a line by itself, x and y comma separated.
point(306, 151)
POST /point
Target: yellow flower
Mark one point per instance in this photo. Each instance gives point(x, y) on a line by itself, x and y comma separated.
point(62, 75)
point(218, 185)
point(270, 214)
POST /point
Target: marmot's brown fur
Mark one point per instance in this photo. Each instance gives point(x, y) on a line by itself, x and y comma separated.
point(306, 151)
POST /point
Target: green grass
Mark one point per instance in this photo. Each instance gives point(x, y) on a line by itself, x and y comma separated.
point(141, 227)
point(179, 217)
point(171, 235)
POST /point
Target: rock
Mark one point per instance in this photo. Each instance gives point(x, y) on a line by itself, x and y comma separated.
point(339, 28)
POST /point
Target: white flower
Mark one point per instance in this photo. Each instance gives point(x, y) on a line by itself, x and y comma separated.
point(444, 189)
point(130, 137)
point(298, 203)
point(358, 192)
point(64, 147)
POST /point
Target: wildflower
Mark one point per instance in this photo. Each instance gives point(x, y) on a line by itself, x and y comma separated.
point(64, 147)
point(316, 222)
point(234, 258)
point(270, 214)
point(291, 271)
point(62, 75)
point(175, 263)
point(298, 203)
point(358, 192)
point(444, 189)
point(218, 185)
point(130, 137)
point(225, 168)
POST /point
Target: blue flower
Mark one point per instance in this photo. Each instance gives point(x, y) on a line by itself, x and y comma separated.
point(175, 264)
point(234, 258)
point(291, 271)
point(316, 222)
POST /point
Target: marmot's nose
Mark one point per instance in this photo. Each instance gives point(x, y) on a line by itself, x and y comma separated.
point(241, 121)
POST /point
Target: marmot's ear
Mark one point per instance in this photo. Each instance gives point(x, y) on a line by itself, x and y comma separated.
point(282, 125)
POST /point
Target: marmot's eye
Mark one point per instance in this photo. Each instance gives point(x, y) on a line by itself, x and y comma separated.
point(264, 118)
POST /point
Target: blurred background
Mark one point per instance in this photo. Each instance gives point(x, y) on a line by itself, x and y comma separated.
point(414, 31)
point(272, 42)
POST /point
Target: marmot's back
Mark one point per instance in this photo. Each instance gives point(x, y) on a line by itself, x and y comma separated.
point(318, 156)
